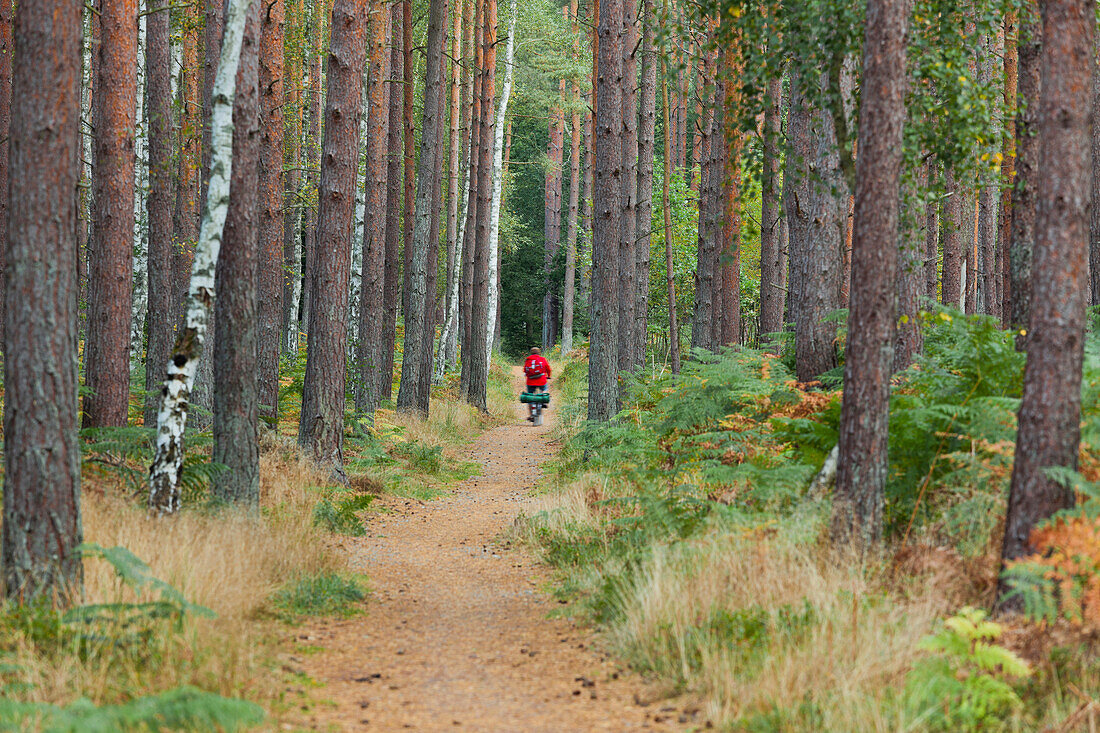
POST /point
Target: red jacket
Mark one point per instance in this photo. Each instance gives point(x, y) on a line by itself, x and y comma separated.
point(537, 370)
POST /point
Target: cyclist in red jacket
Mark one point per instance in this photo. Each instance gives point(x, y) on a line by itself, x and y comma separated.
point(537, 371)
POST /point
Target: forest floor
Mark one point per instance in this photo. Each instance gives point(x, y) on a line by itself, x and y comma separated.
point(459, 631)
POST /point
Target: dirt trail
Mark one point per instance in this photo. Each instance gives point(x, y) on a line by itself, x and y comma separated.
point(456, 635)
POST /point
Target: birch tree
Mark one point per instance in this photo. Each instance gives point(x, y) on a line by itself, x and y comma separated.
point(164, 473)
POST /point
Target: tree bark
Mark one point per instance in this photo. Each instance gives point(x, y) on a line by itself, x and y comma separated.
point(666, 207)
point(1024, 193)
point(730, 259)
point(391, 285)
point(371, 348)
point(292, 210)
point(954, 242)
point(186, 214)
point(236, 341)
point(1094, 223)
point(552, 218)
point(603, 383)
point(110, 266)
point(1008, 164)
point(419, 316)
point(477, 365)
point(771, 215)
point(7, 19)
point(448, 342)
point(862, 464)
point(569, 291)
point(646, 147)
point(164, 473)
point(470, 232)
point(815, 215)
point(1050, 411)
point(158, 108)
point(312, 156)
point(41, 528)
point(702, 325)
point(409, 213)
point(322, 422)
point(931, 238)
point(269, 281)
point(629, 359)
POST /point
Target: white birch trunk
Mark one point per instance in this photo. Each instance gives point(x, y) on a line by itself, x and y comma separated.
point(498, 182)
point(164, 474)
point(141, 197)
point(357, 224)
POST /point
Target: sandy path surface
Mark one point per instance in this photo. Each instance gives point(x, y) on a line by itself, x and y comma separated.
point(457, 635)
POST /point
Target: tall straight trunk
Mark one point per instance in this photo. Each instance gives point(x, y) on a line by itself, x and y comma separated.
point(473, 175)
point(110, 265)
point(1008, 164)
point(552, 218)
point(6, 29)
point(970, 243)
point(203, 396)
point(603, 383)
point(408, 212)
point(569, 292)
point(432, 285)
point(990, 54)
point(954, 241)
point(322, 422)
point(700, 130)
point(909, 278)
point(498, 176)
point(862, 465)
point(186, 214)
point(41, 528)
point(730, 261)
point(447, 351)
point(292, 210)
point(587, 209)
point(931, 237)
point(312, 158)
point(629, 359)
point(702, 324)
point(646, 146)
point(771, 290)
point(715, 207)
point(666, 207)
point(164, 473)
point(158, 109)
point(370, 356)
point(682, 89)
point(1050, 411)
point(815, 216)
point(477, 365)
point(1094, 223)
point(391, 285)
point(236, 346)
point(419, 316)
point(269, 281)
point(1025, 192)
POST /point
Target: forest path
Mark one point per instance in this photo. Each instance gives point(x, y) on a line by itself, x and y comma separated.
point(456, 635)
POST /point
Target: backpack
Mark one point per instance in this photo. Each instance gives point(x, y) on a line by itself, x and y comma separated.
point(533, 369)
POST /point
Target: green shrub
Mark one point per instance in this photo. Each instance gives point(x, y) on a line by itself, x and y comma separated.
point(339, 513)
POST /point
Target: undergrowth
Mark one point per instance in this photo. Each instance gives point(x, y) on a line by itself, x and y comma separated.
point(684, 529)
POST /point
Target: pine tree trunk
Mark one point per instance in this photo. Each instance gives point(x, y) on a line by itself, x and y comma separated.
point(552, 219)
point(931, 236)
point(470, 231)
point(236, 342)
point(498, 181)
point(41, 528)
point(628, 225)
point(391, 284)
point(1008, 165)
point(569, 291)
point(371, 346)
point(702, 324)
point(7, 19)
point(954, 243)
point(158, 108)
point(666, 207)
point(322, 423)
point(1050, 411)
point(419, 315)
point(730, 262)
point(1094, 224)
point(862, 464)
point(408, 213)
point(164, 473)
point(448, 342)
point(477, 365)
point(312, 159)
point(269, 281)
point(110, 273)
point(1025, 192)
point(771, 215)
point(646, 147)
point(603, 383)
point(815, 218)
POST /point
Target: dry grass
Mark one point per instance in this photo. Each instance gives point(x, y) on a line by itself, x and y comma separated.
point(228, 561)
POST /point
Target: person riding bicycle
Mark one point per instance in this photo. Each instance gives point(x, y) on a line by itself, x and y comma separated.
point(537, 371)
